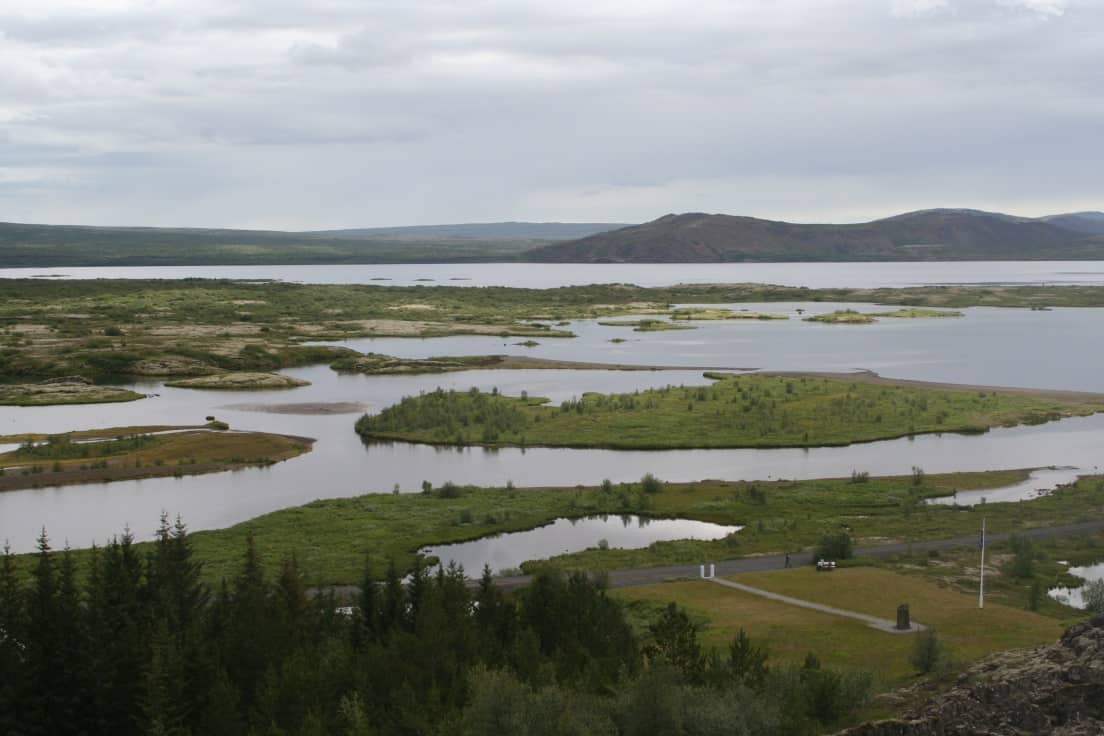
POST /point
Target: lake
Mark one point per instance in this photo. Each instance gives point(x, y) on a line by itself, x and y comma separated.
point(545, 276)
point(1054, 349)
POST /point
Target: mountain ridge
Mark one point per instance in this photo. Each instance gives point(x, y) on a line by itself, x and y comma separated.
point(921, 235)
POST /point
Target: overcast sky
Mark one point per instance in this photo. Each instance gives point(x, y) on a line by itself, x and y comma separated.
point(309, 114)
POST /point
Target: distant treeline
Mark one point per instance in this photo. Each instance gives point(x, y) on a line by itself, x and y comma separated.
point(135, 643)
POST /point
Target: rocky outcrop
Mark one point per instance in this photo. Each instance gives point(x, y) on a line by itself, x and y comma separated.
point(1056, 689)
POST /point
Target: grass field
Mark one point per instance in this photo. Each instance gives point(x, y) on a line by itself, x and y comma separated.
point(790, 632)
point(735, 411)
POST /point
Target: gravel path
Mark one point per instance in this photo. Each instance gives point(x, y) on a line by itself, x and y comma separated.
point(882, 624)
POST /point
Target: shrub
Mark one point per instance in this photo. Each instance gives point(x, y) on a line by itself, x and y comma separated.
point(1093, 595)
point(651, 484)
point(1023, 560)
point(834, 547)
point(448, 490)
point(927, 651)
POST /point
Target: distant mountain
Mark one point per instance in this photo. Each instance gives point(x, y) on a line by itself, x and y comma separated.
point(925, 235)
point(482, 231)
point(1091, 223)
point(30, 246)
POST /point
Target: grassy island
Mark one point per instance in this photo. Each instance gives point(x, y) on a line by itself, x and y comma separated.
point(240, 381)
point(704, 313)
point(852, 317)
point(63, 392)
point(378, 364)
point(751, 410)
point(646, 325)
point(918, 313)
point(126, 453)
point(843, 317)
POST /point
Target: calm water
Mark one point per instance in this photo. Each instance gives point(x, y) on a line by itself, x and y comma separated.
point(508, 551)
point(1060, 349)
point(1057, 349)
point(341, 465)
point(1039, 483)
point(1073, 596)
point(543, 276)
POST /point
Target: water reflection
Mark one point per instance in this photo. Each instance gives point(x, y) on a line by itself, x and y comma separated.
point(1074, 596)
point(1039, 483)
point(986, 346)
point(508, 551)
point(341, 465)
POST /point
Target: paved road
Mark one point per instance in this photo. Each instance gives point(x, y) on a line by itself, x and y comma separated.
point(646, 575)
point(882, 624)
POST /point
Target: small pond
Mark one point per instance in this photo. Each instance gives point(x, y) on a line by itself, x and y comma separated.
point(1072, 596)
point(508, 551)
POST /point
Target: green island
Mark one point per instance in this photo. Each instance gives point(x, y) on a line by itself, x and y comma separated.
point(853, 317)
point(703, 313)
point(128, 453)
point(646, 325)
point(843, 317)
point(106, 328)
point(239, 381)
point(748, 410)
point(72, 391)
point(919, 313)
point(379, 364)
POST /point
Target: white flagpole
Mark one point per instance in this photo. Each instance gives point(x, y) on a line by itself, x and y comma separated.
point(981, 587)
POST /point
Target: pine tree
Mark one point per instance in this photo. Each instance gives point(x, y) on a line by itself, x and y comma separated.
point(366, 626)
point(248, 648)
point(12, 646)
point(118, 620)
point(43, 650)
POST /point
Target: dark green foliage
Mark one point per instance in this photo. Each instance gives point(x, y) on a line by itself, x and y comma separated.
point(651, 484)
point(927, 651)
point(747, 661)
point(141, 646)
point(450, 414)
point(675, 643)
point(834, 547)
point(1023, 556)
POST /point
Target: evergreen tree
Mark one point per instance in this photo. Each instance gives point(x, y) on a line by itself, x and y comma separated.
point(12, 646)
point(676, 642)
point(119, 614)
point(251, 633)
point(45, 655)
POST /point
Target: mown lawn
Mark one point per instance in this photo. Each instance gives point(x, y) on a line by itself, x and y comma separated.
point(790, 632)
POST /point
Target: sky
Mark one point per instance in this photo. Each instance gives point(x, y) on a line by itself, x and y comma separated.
point(316, 114)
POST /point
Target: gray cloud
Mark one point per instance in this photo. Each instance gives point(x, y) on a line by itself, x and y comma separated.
point(288, 113)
